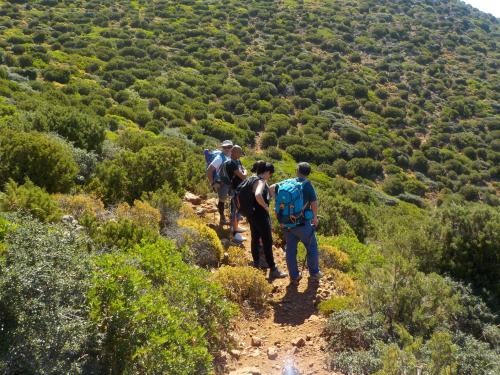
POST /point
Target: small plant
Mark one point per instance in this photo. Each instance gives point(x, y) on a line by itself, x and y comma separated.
point(123, 234)
point(244, 284)
point(79, 205)
point(336, 303)
point(344, 284)
point(140, 213)
point(31, 198)
point(204, 246)
point(332, 257)
point(236, 256)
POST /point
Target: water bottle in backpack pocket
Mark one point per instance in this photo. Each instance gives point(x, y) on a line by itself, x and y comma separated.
point(289, 206)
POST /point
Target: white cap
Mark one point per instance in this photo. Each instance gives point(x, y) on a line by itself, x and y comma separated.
point(227, 142)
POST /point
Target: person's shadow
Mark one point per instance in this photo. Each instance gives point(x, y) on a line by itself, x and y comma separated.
point(295, 307)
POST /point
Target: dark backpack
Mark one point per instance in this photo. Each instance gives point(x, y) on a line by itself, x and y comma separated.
point(223, 175)
point(244, 196)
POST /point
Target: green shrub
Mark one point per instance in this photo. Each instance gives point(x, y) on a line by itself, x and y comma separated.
point(155, 313)
point(45, 161)
point(84, 129)
point(122, 234)
point(331, 257)
point(56, 75)
point(166, 201)
point(43, 306)
point(335, 304)
point(342, 216)
point(203, 244)
point(131, 174)
point(29, 198)
point(244, 284)
point(467, 238)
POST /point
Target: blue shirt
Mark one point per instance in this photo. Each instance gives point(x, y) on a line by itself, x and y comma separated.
point(308, 191)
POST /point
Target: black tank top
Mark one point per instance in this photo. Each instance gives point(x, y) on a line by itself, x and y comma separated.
point(259, 210)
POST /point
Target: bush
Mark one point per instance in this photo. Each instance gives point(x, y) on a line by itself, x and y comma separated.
point(343, 283)
point(236, 256)
point(84, 129)
point(268, 140)
point(204, 246)
point(335, 304)
point(244, 284)
point(45, 161)
point(56, 75)
point(122, 234)
point(155, 313)
point(467, 238)
point(166, 201)
point(331, 257)
point(43, 301)
point(342, 216)
point(80, 205)
point(31, 199)
point(141, 213)
point(365, 167)
point(131, 174)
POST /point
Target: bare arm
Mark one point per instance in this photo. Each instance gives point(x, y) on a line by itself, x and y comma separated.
point(210, 174)
point(240, 174)
point(272, 189)
point(314, 209)
point(258, 195)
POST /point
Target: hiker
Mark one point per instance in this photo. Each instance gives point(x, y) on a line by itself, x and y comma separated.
point(259, 219)
point(221, 188)
point(235, 173)
point(297, 211)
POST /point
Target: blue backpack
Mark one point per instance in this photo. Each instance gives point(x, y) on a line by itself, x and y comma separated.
point(289, 208)
point(210, 155)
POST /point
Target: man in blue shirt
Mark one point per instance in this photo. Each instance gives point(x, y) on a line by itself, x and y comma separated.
point(304, 231)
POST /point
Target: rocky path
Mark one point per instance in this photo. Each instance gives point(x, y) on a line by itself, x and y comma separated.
point(285, 339)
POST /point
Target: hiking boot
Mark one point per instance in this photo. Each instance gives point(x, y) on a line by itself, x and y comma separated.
point(277, 274)
point(317, 276)
point(295, 281)
point(238, 237)
point(241, 230)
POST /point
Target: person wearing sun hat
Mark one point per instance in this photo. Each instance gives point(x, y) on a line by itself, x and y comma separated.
point(219, 187)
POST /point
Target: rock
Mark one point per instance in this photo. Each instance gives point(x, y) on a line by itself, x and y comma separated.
point(191, 198)
point(299, 342)
point(308, 337)
point(272, 352)
point(68, 219)
point(247, 371)
point(235, 353)
point(200, 211)
point(256, 341)
point(256, 353)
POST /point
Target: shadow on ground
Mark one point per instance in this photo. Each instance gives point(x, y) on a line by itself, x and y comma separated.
point(296, 307)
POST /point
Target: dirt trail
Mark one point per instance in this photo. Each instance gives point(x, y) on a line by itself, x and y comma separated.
point(286, 338)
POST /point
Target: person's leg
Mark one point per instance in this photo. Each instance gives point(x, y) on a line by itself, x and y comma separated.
point(267, 241)
point(311, 245)
point(291, 253)
point(254, 245)
point(223, 196)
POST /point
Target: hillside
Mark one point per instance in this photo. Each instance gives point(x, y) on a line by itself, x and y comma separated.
point(105, 109)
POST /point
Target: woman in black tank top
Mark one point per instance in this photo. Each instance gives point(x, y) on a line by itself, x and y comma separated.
point(260, 221)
